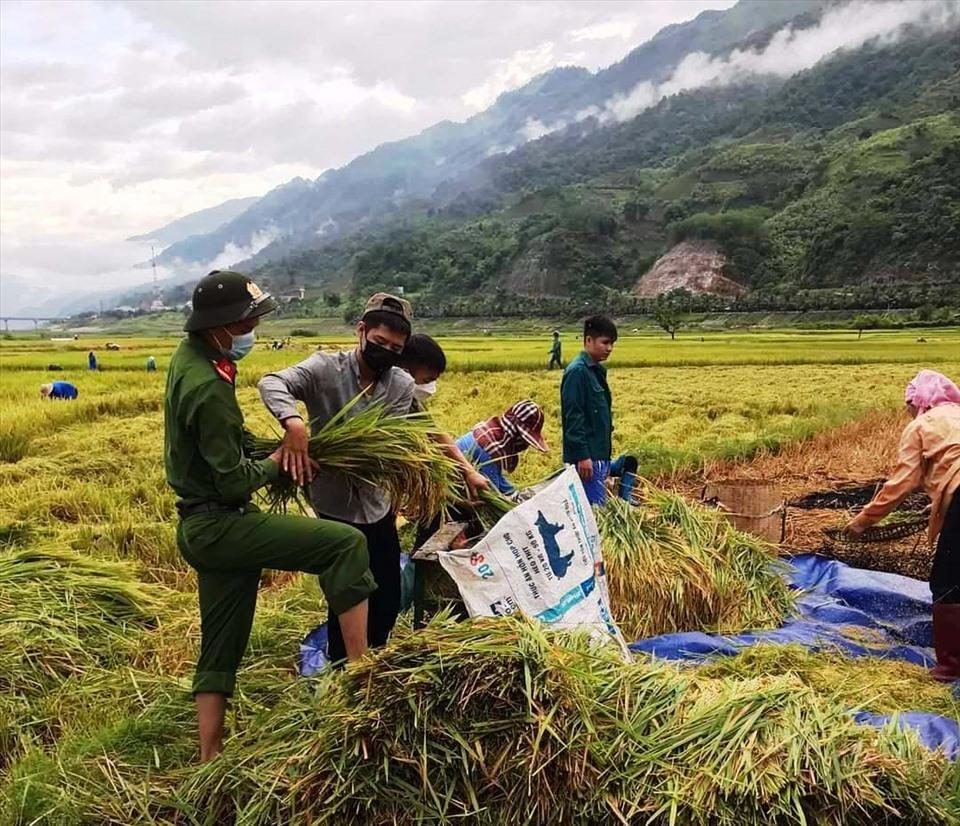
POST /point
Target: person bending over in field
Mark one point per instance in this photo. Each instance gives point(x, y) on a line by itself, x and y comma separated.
point(59, 390)
point(224, 537)
point(326, 383)
point(586, 410)
point(495, 445)
point(929, 457)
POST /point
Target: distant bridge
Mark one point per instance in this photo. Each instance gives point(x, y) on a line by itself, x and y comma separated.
point(6, 319)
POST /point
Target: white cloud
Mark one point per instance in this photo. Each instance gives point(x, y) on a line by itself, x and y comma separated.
point(512, 72)
point(791, 50)
point(607, 30)
point(118, 117)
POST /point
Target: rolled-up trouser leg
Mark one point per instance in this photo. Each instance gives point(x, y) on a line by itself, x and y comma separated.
point(228, 552)
point(596, 488)
point(227, 606)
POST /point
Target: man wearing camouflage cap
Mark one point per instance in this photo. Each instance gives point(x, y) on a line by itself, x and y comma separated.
point(225, 538)
point(326, 383)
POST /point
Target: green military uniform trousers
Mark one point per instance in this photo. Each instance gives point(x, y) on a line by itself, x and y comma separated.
point(228, 551)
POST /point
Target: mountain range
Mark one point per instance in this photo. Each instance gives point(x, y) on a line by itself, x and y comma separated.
point(804, 145)
point(395, 177)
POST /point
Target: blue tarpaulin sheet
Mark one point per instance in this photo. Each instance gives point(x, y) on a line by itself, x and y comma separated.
point(834, 597)
point(835, 604)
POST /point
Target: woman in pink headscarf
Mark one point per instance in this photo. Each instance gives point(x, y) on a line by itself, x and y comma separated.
point(929, 457)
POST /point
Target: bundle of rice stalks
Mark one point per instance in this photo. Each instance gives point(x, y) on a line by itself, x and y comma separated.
point(493, 506)
point(864, 684)
point(371, 447)
point(151, 544)
point(673, 566)
point(60, 615)
point(500, 722)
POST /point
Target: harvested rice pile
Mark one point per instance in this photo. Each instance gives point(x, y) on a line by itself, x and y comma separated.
point(61, 614)
point(499, 722)
point(877, 685)
point(672, 566)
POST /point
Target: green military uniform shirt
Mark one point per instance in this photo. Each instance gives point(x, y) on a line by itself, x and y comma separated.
point(586, 411)
point(203, 430)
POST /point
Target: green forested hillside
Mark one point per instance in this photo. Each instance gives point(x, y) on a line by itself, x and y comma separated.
point(847, 175)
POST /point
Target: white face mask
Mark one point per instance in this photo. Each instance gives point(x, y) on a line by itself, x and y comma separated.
point(422, 392)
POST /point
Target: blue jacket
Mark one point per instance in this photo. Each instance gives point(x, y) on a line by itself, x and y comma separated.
point(488, 467)
point(63, 390)
point(586, 411)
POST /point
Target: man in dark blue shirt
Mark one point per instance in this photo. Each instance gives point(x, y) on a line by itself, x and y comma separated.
point(586, 411)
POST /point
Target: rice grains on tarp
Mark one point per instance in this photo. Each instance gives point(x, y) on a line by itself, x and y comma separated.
point(500, 722)
point(674, 566)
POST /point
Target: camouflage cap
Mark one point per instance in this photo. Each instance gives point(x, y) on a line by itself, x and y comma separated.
point(386, 303)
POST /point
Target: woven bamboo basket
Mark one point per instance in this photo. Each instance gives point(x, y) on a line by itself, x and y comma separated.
point(754, 506)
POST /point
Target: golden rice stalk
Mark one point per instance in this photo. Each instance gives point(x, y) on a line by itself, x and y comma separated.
point(498, 721)
point(673, 566)
point(371, 447)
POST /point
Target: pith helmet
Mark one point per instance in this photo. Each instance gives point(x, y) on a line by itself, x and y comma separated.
point(225, 297)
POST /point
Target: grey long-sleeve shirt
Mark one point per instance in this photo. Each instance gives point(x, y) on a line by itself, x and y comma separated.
point(325, 383)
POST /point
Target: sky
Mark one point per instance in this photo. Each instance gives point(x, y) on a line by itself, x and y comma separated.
point(118, 117)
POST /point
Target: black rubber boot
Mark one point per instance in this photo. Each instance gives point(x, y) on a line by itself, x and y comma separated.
point(946, 641)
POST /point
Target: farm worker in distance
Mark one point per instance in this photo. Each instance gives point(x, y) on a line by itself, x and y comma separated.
point(91, 361)
point(495, 445)
point(555, 352)
point(151, 364)
point(586, 412)
point(929, 457)
point(58, 390)
point(326, 383)
point(225, 538)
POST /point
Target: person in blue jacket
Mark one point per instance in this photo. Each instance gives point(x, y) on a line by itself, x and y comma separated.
point(495, 445)
point(58, 390)
point(92, 360)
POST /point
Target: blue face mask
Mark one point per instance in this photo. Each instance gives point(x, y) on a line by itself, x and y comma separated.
point(241, 346)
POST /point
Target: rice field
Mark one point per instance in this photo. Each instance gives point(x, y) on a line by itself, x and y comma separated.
point(99, 627)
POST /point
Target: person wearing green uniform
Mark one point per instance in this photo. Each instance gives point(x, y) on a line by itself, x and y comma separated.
point(224, 537)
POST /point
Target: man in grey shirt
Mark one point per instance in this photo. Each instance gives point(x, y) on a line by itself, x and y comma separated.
point(325, 383)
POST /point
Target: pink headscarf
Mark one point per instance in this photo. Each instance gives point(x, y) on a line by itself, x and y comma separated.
point(930, 388)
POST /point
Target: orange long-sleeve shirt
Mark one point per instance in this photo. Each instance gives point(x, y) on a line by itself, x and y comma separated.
point(929, 456)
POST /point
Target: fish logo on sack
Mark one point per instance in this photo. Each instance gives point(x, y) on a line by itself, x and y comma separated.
point(548, 533)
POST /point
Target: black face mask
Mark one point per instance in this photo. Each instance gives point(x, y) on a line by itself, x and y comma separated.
point(379, 358)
